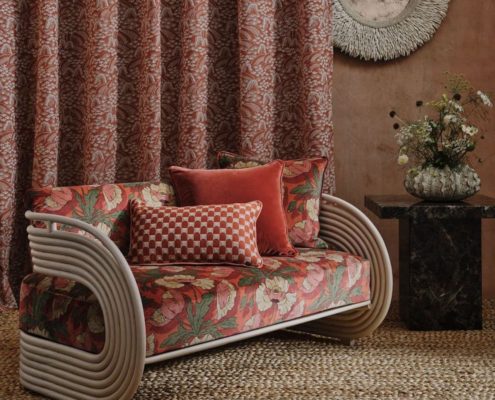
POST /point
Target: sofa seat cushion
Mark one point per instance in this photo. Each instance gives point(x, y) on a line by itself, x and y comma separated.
point(185, 305)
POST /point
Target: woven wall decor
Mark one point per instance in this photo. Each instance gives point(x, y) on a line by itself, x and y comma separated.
point(385, 29)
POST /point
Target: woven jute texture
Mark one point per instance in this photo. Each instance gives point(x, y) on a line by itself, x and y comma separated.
point(394, 363)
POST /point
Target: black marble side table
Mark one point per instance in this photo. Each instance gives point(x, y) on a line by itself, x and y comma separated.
point(439, 259)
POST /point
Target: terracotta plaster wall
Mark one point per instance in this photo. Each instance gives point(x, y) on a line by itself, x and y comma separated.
point(364, 93)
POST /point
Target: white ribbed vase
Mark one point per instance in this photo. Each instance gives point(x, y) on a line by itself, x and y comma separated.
point(435, 184)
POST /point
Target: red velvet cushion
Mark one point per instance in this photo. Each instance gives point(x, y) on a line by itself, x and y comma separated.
point(200, 186)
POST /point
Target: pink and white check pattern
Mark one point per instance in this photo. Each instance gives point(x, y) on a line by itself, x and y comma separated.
point(212, 233)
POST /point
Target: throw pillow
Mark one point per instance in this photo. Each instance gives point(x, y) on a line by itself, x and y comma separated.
point(302, 185)
point(105, 206)
point(201, 186)
point(223, 233)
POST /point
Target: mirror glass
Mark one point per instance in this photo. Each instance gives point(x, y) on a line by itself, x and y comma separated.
point(375, 12)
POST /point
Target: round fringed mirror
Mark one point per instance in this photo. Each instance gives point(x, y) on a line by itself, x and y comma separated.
point(385, 29)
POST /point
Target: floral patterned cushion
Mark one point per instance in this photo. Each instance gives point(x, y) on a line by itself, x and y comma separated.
point(104, 206)
point(302, 183)
point(186, 305)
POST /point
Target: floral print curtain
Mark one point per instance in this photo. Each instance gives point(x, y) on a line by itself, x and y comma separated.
point(98, 91)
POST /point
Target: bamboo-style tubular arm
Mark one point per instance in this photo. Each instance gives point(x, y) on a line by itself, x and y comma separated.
point(345, 227)
point(63, 372)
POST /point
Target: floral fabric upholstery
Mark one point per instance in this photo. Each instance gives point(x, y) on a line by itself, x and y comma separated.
point(61, 310)
point(185, 305)
point(104, 206)
point(302, 182)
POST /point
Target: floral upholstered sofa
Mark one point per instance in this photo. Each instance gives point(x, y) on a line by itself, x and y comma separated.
point(90, 320)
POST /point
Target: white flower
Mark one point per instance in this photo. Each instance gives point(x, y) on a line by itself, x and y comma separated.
point(171, 305)
point(312, 206)
point(426, 126)
point(335, 257)
point(112, 195)
point(297, 311)
point(309, 256)
point(484, 98)
point(174, 281)
point(404, 136)
point(246, 164)
point(457, 107)
point(39, 332)
point(150, 345)
point(204, 283)
point(201, 339)
point(315, 275)
point(154, 194)
point(469, 130)
point(226, 295)
point(403, 159)
point(253, 322)
point(104, 228)
point(271, 263)
point(354, 270)
point(58, 198)
point(274, 293)
point(449, 119)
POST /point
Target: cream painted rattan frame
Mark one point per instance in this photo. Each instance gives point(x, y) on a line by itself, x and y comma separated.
point(62, 372)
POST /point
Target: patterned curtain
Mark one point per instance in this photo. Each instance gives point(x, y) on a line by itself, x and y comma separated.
point(95, 91)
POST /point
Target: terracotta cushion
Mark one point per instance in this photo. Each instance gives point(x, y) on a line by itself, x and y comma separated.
point(224, 233)
point(185, 305)
point(302, 185)
point(202, 187)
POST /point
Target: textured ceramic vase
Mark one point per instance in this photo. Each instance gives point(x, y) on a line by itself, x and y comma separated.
point(434, 184)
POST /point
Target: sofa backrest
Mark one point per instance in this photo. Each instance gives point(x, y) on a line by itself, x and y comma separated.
point(104, 206)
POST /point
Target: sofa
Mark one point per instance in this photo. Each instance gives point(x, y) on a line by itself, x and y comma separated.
point(90, 320)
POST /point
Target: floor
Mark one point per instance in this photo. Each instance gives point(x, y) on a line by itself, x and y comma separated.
point(394, 363)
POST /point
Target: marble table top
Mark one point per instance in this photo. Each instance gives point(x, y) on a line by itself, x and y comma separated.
point(400, 206)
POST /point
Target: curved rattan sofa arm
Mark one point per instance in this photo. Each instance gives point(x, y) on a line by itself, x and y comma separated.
point(345, 227)
point(91, 258)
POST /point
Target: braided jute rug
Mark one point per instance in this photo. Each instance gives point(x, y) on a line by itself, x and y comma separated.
point(394, 363)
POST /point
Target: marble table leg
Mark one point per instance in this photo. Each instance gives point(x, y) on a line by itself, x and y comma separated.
point(440, 273)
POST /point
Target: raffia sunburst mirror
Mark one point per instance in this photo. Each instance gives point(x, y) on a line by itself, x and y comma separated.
point(385, 29)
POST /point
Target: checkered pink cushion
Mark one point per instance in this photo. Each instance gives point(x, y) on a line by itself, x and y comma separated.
point(198, 234)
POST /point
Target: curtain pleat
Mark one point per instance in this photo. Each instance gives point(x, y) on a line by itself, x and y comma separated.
point(8, 139)
point(192, 147)
point(73, 41)
point(316, 55)
point(149, 91)
point(130, 58)
point(256, 24)
point(46, 125)
point(119, 90)
point(100, 97)
point(170, 35)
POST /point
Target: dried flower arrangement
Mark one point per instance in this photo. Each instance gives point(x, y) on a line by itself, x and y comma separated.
point(446, 138)
point(439, 143)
